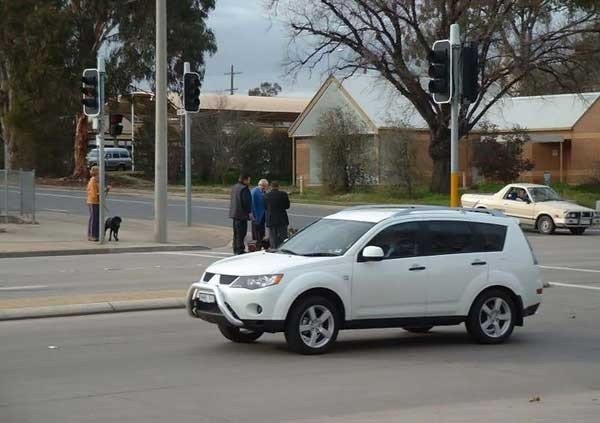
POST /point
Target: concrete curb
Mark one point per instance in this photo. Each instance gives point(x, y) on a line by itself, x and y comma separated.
point(100, 250)
point(91, 308)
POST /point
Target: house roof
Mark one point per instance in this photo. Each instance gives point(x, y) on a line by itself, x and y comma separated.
point(385, 107)
point(245, 103)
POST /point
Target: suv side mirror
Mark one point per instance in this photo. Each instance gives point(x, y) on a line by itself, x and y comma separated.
point(373, 253)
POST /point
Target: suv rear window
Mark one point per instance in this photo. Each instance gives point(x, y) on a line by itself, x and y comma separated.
point(491, 237)
point(458, 237)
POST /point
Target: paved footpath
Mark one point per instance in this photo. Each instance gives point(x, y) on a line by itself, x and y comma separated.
point(66, 233)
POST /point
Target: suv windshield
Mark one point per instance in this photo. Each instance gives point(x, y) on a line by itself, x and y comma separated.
point(326, 237)
point(543, 194)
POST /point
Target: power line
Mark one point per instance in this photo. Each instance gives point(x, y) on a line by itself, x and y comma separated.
point(231, 73)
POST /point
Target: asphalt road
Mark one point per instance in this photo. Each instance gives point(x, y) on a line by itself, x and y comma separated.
point(204, 211)
point(164, 366)
point(565, 259)
point(35, 277)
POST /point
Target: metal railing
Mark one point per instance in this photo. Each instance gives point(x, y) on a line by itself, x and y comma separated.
point(17, 195)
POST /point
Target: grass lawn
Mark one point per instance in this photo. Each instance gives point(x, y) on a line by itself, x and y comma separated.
point(586, 194)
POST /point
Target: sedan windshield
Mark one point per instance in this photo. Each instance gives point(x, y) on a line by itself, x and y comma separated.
point(539, 194)
point(326, 237)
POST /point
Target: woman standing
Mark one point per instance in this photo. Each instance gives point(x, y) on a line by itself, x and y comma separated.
point(93, 202)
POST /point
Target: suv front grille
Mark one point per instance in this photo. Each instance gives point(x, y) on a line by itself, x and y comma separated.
point(587, 214)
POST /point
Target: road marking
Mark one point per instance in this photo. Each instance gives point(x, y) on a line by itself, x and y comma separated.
point(173, 253)
point(571, 285)
point(56, 210)
point(572, 269)
point(22, 288)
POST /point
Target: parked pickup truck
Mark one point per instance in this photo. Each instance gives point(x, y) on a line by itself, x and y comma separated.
point(538, 206)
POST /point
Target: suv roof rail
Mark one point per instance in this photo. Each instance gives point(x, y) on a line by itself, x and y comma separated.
point(402, 207)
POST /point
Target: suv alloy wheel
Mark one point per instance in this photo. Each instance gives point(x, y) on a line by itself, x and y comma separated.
point(492, 317)
point(312, 326)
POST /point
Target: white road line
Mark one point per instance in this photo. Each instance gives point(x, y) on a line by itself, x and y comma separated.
point(56, 210)
point(176, 253)
point(22, 288)
point(572, 269)
point(571, 285)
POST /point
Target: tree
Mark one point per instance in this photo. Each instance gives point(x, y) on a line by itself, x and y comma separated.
point(393, 39)
point(501, 160)
point(75, 31)
point(346, 157)
point(400, 167)
point(266, 89)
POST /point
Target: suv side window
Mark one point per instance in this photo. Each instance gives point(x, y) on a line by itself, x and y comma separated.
point(490, 237)
point(124, 155)
point(398, 241)
point(449, 237)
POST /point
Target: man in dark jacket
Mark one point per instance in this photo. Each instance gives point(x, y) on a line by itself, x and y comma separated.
point(276, 204)
point(239, 210)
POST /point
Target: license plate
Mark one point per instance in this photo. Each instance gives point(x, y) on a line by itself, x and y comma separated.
point(206, 298)
point(585, 221)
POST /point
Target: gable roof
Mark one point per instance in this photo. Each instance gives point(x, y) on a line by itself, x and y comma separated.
point(379, 100)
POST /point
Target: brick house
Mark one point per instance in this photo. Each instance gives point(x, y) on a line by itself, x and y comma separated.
point(564, 130)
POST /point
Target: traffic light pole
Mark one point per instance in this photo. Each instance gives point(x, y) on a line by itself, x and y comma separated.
point(100, 142)
point(188, 161)
point(160, 138)
point(454, 112)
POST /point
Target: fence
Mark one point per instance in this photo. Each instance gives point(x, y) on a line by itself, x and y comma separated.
point(17, 195)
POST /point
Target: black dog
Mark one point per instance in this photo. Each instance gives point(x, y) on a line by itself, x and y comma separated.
point(112, 223)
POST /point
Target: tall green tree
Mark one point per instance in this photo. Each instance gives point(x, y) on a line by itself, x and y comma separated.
point(55, 40)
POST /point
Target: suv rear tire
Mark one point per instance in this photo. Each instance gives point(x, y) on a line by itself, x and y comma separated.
point(235, 334)
point(492, 317)
point(312, 326)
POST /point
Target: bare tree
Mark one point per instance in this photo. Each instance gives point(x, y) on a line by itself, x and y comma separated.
point(393, 38)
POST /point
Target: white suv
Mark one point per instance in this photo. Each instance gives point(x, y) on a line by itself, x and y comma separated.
point(413, 267)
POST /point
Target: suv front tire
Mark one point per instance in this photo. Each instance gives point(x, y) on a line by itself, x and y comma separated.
point(312, 326)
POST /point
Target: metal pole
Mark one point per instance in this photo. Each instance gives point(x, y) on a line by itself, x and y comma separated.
point(454, 112)
point(188, 162)
point(33, 196)
point(100, 142)
point(132, 132)
point(231, 80)
point(5, 195)
point(160, 141)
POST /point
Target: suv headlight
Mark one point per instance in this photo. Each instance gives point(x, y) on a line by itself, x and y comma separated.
point(256, 282)
point(571, 215)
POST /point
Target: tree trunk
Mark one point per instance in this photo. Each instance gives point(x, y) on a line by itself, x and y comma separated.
point(439, 150)
point(80, 147)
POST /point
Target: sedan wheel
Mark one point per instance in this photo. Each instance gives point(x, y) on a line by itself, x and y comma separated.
point(546, 225)
point(492, 317)
point(312, 326)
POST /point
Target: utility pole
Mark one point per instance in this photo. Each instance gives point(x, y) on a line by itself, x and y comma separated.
point(160, 140)
point(454, 111)
point(232, 73)
point(100, 142)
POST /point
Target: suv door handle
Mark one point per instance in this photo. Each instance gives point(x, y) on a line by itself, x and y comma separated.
point(479, 263)
point(416, 267)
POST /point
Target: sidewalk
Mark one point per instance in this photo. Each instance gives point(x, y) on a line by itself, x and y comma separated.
point(66, 234)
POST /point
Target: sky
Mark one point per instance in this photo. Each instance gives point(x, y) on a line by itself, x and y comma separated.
point(256, 44)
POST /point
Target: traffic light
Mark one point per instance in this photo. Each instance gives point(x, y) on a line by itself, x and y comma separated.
point(91, 92)
point(116, 126)
point(440, 71)
point(470, 72)
point(191, 92)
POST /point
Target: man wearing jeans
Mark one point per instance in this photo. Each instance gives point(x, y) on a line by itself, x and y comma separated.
point(239, 210)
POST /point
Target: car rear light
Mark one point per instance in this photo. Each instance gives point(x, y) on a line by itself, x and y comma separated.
point(539, 291)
